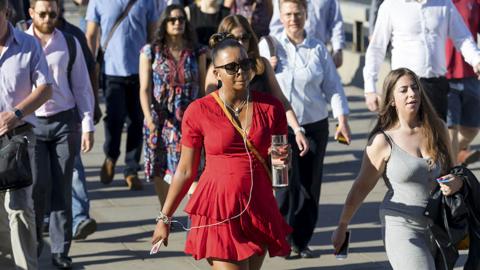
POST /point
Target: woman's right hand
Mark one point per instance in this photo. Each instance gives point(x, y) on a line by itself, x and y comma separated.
point(338, 237)
point(162, 231)
point(153, 137)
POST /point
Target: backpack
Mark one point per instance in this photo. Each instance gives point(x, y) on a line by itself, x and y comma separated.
point(72, 55)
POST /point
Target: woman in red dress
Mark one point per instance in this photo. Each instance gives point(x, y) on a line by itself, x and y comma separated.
point(235, 218)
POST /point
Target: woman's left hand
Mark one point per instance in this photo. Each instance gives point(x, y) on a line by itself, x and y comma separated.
point(451, 187)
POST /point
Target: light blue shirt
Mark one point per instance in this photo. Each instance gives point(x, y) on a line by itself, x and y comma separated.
point(23, 68)
point(308, 78)
point(324, 22)
point(123, 51)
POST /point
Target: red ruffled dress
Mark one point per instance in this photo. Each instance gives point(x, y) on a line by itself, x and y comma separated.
point(224, 187)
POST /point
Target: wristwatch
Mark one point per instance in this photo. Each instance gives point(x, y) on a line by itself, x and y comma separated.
point(18, 113)
point(298, 129)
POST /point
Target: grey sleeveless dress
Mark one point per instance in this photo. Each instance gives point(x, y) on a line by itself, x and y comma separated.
point(404, 227)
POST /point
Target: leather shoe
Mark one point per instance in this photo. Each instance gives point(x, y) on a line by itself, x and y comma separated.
point(306, 253)
point(133, 182)
point(85, 228)
point(61, 261)
point(108, 171)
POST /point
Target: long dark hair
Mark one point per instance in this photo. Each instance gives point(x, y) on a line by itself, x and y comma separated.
point(233, 21)
point(433, 127)
point(188, 36)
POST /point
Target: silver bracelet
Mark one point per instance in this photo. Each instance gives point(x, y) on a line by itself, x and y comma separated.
point(164, 218)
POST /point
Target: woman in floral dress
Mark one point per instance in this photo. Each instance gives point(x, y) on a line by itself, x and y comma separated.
point(172, 72)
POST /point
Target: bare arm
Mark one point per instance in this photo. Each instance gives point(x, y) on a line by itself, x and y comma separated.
point(275, 89)
point(373, 165)
point(145, 76)
point(92, 34)
point(183, 178)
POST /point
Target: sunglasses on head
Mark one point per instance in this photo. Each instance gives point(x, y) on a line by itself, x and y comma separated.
point(180, 19)
point(233, 67)
point(43, 14)
point(243, 38)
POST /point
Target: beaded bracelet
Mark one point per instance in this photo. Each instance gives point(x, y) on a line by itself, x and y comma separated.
point(164, 218)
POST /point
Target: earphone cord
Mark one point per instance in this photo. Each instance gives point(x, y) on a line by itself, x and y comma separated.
point(251, 180)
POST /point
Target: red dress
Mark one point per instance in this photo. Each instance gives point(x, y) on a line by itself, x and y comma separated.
point(224, 187)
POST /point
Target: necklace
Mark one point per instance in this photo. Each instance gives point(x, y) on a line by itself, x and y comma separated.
point(238, 109)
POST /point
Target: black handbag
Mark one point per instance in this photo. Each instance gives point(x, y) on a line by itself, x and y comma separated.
point(15, 171)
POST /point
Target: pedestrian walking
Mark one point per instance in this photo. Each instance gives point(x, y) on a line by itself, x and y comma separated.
point(418, 32)
point(125, 27)
point(308, 78)
point(464, 96)
point(235, 219)
point(25, 82)
point(204, 17)
point(83, 225)
point(59, 123)
point(409, 147)
point(324, 22)
point(172, 75)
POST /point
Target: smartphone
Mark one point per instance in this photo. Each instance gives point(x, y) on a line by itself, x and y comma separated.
point(341, 139)
point(156, 247)
point(343, 252)
point(444, 179)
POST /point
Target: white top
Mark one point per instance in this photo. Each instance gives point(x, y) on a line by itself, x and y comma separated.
point(418, 31)
point(63, 98)
point(308, 78)
point(324, 22)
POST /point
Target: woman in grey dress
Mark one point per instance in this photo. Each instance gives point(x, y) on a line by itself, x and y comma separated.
point(409, 148)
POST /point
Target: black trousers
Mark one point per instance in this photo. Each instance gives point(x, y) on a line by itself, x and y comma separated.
point(298, 202)
point(123, 101)
point(437, 92)
point(55, 150)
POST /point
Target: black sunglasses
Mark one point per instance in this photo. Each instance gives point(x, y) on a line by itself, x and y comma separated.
point(180, 19)
point(233, 67)
point(243, 38)
point(43, 14)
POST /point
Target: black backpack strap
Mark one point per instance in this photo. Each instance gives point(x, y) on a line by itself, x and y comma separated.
point(72, 55)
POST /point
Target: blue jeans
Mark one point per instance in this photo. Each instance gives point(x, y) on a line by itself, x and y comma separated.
point(80, 200)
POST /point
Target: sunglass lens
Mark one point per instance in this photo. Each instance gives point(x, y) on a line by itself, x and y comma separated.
point(246, 64)
point(232, 68)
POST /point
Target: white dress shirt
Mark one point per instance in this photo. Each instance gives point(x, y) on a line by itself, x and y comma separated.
point(308, 78)
point(418, 31)
point(324, 22)
point(63, 98)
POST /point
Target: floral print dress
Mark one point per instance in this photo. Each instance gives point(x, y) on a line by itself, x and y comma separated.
point(175, 86)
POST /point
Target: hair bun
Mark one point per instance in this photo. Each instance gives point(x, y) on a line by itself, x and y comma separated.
point(218, 38)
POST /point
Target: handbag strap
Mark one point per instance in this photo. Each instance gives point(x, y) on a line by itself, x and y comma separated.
point(120, 18)
point(250, 146)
